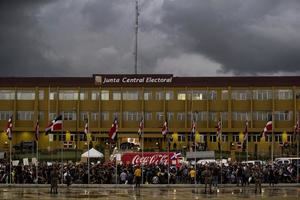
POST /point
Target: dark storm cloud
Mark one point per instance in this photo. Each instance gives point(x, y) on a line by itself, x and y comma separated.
point(23, 51)
point(83, 37)
point(244, 36)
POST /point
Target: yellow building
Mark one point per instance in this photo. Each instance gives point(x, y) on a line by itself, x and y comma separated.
point(155, 98)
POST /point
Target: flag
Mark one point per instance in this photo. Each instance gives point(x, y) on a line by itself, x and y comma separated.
point(113, 130)
point(86, 127)
point(246, 131)
point(9, 128)
point(193, 129)
point(219, 129)
point(267, 128)
point(55, 125)
point(37, 130)
point(141, 128)
point(296, 130)
point(164, 129)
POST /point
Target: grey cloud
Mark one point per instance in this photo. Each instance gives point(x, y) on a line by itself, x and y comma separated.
point(23, 51)
point(244, 36)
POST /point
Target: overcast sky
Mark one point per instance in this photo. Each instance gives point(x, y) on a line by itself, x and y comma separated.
point(180, 37)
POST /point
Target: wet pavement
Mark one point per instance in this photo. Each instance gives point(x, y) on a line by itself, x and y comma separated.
point(149, 193)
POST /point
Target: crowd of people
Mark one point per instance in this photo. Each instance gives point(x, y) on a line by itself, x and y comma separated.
point(105, 173)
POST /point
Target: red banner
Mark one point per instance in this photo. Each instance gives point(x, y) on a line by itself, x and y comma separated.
point(151, 158)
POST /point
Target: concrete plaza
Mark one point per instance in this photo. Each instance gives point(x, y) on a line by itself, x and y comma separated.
point(152, 192)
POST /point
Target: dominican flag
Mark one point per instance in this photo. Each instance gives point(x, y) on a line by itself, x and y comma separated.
point(219, 129)
point(296, 130)
point(86, 127)
point(268, 127)
point(37, 130)
point(165, 129)
point(113, 130)
point(141, 128)
point(246, 131)
point(193, 129)
point(9, 128)
point(55, 125)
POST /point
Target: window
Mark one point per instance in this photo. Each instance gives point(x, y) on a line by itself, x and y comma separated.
point(224, 116)
point(116, 115)
point(84, 116)
point(159, 95)
point(212, 95)
point(256, 138)
point(240, 95)
point(181, 96)
point(95, 95)
point(198, 116)
point(41, 94)
point(25, 95)
point(249, 138)
point(283, 115)
point(83, 95)
point(69, 115)
point(261, 116)
point(240, 116)
point(147, 95)
point(52, 95)
point(105, 116)
point(197, 95)
point(262, 94)
point(224, 138)
point(130, 95)
point(268, 138)
point(131, 116)
point(41, 115)
point(68, 95)
point(5, 115)
point(94, 116)
point(148, 116)
point(235, 138)
point(52, 116)
point(213, 138)
point(104, 95)
point(170, 116)
point(278, 138)
point(180, 116)
point(160, 116)
point(212, 116)
point(169, 95)
point(181, 137)
point(284, 94)
point(25, 115)
point(116, 95)
point(224, 95)
point(289, 138)
point(7, 94)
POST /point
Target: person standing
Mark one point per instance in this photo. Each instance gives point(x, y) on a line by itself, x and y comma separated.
point(207, 178)
point(192, 174)
point(54, 180)
point(257, 178)
point(137, 176)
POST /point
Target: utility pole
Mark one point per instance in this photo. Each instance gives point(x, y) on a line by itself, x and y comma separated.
point(136, 35)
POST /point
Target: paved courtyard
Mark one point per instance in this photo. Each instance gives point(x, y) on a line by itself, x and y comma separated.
point(148, 193)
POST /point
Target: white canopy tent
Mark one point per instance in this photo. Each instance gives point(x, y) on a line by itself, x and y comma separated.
point(92, 153)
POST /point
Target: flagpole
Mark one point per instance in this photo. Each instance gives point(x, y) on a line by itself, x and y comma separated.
point(247, 150)
point(298, 138)
point(88, 139)
point(62, 150)
point(142, 132)
point(37, 160)
point(221, 147)
point(272, 144)
point(10, 162)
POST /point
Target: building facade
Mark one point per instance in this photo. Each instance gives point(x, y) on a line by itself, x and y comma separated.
point(155, 98)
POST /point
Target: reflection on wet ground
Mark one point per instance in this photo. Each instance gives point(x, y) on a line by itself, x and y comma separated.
point(148, 193)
